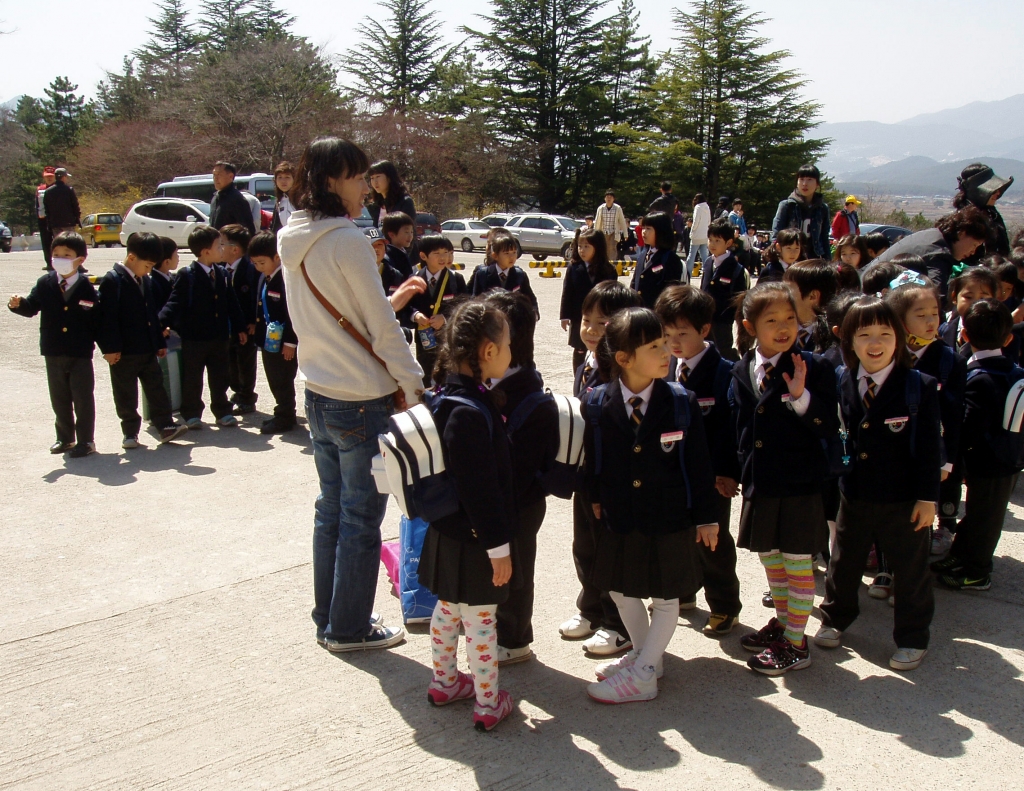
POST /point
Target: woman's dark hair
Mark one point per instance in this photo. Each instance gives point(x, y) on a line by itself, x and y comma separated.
point(598, 266)
point(664, 233)
point(867, 312)
point(473, 323)
point(499, 236)
point(326, 158)
point(283, 168)
point(755, 301)
point(969, 221)
point(853, 240)
point(522, 322)
point(962, 198)
point(628, 330)
point(876, 243)
point(396, 187)
point(786, 238)
point(836, 311)
point(976, 275)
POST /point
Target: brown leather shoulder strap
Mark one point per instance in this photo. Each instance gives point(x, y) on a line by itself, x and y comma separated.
point(344, 323)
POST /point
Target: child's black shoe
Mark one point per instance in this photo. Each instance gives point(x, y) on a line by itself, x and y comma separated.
point(82, 449)
point(61, 447)
point(966, 582)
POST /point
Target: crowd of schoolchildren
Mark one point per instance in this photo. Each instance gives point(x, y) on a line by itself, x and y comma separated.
point(844, 402)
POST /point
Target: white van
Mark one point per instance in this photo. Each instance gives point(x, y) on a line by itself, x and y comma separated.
point(201, 188)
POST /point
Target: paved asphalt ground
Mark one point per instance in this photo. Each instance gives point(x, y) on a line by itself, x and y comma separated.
point(155, 633)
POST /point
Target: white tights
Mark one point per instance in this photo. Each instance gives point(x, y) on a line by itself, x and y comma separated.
point(650, 637)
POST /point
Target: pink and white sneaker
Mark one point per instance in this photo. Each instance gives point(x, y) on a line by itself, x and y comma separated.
point(486, 717)
point(609, 669)
point(462, 688)
point(626, 686)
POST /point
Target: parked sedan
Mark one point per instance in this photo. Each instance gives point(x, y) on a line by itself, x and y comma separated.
point(103, 228)
point(171, 217)
point(467, 234)
point(543, 234)
point(497, 220)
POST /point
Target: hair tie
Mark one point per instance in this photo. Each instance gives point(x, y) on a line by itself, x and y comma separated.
point(958, 269)
point(910, 277)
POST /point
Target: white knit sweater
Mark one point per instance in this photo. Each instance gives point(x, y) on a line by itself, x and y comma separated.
point(342, 265)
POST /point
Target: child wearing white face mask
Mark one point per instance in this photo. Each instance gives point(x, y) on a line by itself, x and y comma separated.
point(67, 331)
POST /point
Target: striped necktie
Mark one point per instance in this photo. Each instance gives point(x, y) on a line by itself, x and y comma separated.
point(767, 368)
point(502, 276)
point(637, 417)
point(869, 394)
point(63, 286)
point(588, 369)
point(684, 372)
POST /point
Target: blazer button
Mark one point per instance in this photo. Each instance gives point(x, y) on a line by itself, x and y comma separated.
point(817, 421)
point(863, 456)
point(65, 307)
point(864, 425)
point(760, 410)
point(64, 329)
point(636, 484)
point(636, 449)
point(757, 444)
point(214, 296)
point(473, 532)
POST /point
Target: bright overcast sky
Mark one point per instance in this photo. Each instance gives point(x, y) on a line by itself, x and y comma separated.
point(878, 60)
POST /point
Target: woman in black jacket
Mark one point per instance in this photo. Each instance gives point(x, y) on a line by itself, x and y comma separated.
point(387, 192)
point(588, 267)
point(979, 186)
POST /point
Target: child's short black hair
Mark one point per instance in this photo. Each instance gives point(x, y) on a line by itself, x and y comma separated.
point(682, 302)
point(737, 202)
point(609, 297)
point(877, 243)
point(72, 241)
point(722, 229)
point(975, 275)
point(866, 312)
point(1006, 271)
point(814, 274)
point(395, 222)
point(146, 247)
point(428, 244)
point(988, 323)
point(201, 238)
point(237, 235)
point(263, 244)
point(836, 310)
point(628, 330)
point(522, 322)
point(880, 275)
point(501, 241)
point(170, 247)
point(664, 233)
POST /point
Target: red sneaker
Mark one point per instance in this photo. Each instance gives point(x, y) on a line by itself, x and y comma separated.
point(486, 717)
point(439, 694)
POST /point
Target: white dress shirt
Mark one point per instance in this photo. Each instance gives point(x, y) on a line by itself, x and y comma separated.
point(798, 405)
point(627, 394)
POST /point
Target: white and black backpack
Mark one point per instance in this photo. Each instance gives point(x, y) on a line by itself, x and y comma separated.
point(562, 476)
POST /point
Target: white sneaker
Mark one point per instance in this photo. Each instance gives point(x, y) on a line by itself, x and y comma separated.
point(907, 658)
point(130, 443)
point(892, 601)
point(227, 421)
point(881, 586)
point(576, 628)
point(942, 540)
point(828, 637)
point(624, 687)
point(512, 656)
point(609, 669)
point(607, 642)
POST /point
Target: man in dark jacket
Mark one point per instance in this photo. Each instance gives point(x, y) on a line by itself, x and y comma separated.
point(228, 205)
point(665, 202)
point(807, 211)
point(61, 205)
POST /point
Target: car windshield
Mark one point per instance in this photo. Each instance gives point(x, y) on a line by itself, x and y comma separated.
point(479, 226)
point(568, 223)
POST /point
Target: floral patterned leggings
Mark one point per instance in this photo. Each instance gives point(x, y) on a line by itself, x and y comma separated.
point(478, 620)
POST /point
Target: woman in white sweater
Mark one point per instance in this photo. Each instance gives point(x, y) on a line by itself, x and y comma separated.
point(699, 232)
point(349, 394)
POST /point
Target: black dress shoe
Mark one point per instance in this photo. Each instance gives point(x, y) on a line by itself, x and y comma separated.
point(276, 426)
point(82, 450)
point(61, 447)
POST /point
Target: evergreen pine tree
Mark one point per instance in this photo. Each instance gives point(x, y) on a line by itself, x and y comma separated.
point(398, 61)
point(226, 23)
point(268, 21)
point(173, 40)
point(65, 119)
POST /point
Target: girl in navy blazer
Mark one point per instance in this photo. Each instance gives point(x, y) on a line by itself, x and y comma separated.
point(660, 266)
point(588, 267)
point(651, 482)
point(784, 405)
point(892, 484)
point(466, 559)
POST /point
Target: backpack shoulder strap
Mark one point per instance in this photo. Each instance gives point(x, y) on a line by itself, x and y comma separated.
point(723, 380)
point(470, 403)
point(681, 407)
point(592, 411)
point(947, 359)
point(522, 412)
point(913, 398)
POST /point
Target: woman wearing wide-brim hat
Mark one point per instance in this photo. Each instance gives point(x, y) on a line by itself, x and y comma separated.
point(978, 185)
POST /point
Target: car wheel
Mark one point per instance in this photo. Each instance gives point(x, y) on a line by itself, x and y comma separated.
point(565, 251)
point(95, 244)
point(540, 256)
point(467, 246)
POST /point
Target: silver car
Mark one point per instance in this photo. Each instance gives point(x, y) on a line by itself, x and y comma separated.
point(543, 234)
point(467, 234)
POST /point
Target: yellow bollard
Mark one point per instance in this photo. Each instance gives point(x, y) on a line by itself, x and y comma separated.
point(549, 270)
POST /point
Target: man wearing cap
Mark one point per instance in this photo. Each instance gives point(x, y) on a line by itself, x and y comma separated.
point(846, 222)
point(61, 204)
point(44, 228)
point(981, 187)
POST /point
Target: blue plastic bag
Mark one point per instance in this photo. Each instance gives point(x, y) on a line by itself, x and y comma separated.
point(417, 602)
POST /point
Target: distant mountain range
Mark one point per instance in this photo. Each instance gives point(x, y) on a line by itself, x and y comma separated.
point(917, 156)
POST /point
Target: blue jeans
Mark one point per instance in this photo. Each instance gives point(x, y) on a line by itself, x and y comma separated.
point(348, 514)
point(695, 250)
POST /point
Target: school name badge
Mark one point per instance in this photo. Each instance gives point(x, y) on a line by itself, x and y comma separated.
point(669, 440)
point(897, 424)
point(705, 405)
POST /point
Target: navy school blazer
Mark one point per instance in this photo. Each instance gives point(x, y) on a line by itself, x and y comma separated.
point(484, 278)
point(130, 324)
point(67, 327)
point(199, 311)
point(663, 268)
point(985, 397)
point(951, 392)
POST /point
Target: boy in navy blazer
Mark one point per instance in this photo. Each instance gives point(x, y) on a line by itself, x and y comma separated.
point(67, 330)
point(204, 311)
point(503, 273)
point(686, 312)
point(162, 277)
point(241, 355)
point(281, 366)
point(131, 339)
point(724, 277)
point(990, 479)
point(427, 313)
